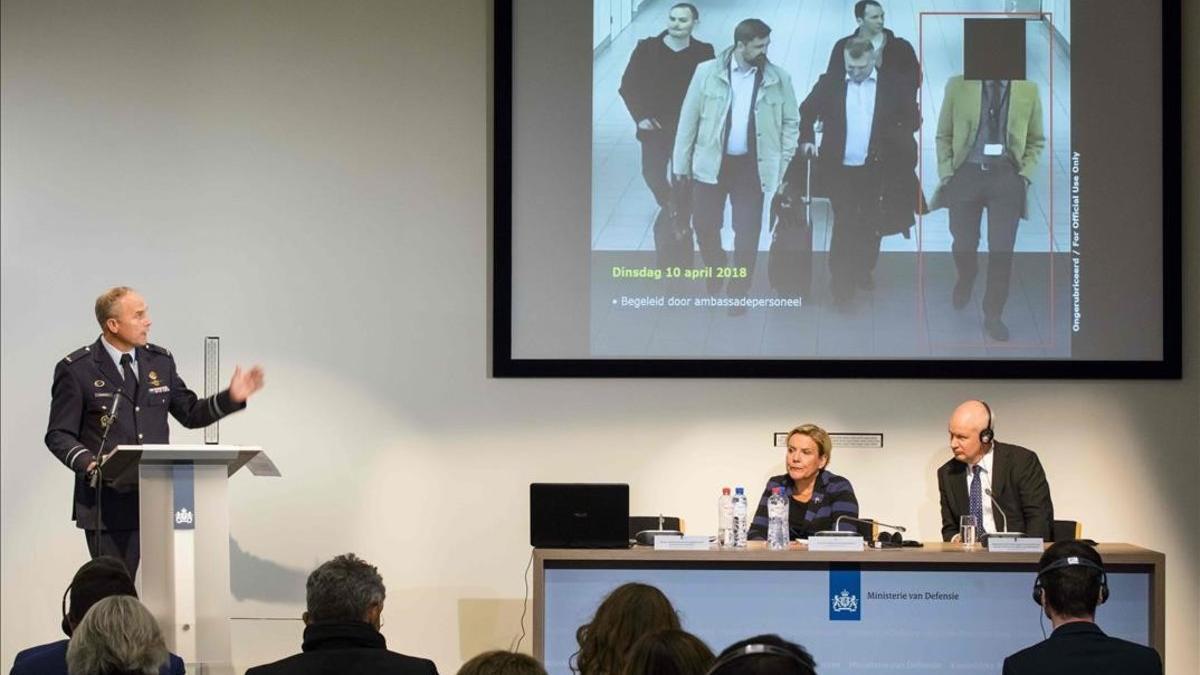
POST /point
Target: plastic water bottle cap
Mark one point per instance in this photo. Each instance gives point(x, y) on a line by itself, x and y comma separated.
point(725, 491)
point(741, 490)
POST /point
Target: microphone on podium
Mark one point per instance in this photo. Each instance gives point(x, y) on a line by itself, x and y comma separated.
point(996, 504)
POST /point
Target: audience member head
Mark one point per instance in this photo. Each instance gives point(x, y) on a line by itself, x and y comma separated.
point(346, 589)
point(808, 451)
point(96, 579)
point(1071, 582)
point(764, 655)
point(500, 662)
point(629, 612)
point(668, 652)
point(117, 636)
point(970, 431)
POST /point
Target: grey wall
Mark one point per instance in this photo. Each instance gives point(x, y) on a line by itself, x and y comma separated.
point(308, 181)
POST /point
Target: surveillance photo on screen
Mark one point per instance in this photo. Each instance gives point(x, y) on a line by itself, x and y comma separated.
point(871, 180)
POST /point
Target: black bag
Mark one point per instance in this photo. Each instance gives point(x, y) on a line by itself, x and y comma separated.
point(673, 238)
point(789, 264)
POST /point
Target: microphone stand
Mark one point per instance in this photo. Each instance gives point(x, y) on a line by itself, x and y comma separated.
point(97, 477)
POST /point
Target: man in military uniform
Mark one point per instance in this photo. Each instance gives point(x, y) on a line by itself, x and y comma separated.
point(124, 382)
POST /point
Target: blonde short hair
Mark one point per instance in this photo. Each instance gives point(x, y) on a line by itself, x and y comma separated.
point(819, 436)
point(106, 304)
point(117, 634)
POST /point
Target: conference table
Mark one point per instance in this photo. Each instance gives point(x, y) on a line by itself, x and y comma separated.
point(937, 608)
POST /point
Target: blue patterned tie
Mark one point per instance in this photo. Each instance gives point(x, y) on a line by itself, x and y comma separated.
point(976, 499)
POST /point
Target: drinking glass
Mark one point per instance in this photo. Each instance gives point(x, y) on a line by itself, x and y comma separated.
point(967, 528)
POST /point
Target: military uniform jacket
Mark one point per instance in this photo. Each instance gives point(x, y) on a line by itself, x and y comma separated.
point(86, 385)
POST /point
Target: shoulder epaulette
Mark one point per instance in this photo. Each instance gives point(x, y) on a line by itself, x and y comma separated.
point(78, 354)
point(158, 350)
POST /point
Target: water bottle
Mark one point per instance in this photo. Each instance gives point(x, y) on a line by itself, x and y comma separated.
point(777, 524)
point(740, 523)
point(725, 519)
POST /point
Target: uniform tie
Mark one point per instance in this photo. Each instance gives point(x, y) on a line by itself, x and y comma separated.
point(131, 382)
point(976, 499)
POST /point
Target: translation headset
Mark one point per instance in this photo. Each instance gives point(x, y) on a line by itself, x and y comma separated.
point(987, 434)
point(758, 649)
point(1070, 561)
point(107, 569)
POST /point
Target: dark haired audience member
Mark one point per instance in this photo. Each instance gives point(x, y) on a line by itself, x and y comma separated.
point(629, 612)
point(1068, 594)
point(97, 579)
point(341, 626)
point(764, 655)
point(500, 662)
point(668, 652)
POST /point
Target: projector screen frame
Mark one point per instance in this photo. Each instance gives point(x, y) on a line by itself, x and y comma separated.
point(505, 365)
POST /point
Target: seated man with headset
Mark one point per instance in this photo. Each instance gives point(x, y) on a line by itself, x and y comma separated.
point(985, 474)
point(1070, 583)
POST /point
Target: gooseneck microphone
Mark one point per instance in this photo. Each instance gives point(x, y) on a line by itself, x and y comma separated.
point(838, 523)
point(97, 475)
point(996, 504)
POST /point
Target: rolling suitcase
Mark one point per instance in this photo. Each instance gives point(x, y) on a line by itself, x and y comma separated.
point(789, 263)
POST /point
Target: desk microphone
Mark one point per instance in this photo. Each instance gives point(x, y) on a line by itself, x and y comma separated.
point(837, 523)
point(1005, 533)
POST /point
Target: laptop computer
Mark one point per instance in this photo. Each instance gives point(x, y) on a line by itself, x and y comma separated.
point(579, 515)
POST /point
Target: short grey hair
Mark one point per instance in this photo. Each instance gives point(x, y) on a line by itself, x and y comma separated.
point(118, 634)
point(343, 590)
point(106, 304)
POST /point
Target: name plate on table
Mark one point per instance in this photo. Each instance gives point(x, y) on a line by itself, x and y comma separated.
point(685, 542)
point(1015, 544)
point(835, 543)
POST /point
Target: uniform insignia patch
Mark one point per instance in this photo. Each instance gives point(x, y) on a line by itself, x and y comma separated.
point(98, 383)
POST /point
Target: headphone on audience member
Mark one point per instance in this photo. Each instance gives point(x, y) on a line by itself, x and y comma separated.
point(758, 649)
point(99, 577)
point(987, 434)
point(1070, 561)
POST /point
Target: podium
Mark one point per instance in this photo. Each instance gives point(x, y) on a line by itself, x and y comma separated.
point(184, 502)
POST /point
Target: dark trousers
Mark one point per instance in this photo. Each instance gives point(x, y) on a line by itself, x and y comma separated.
point(738, 181)
point(656, 155)
point(1001, 190)
point(124, 545)
point(854, 249)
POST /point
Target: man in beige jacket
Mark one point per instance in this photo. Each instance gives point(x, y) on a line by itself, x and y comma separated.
point(738, 130)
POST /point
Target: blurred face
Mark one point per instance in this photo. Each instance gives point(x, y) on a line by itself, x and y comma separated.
point(754, 52)
point(804, 458)
point(871, 22)
point(859, 69)
point(680, 22)
point(964, 429)
point(129, 326)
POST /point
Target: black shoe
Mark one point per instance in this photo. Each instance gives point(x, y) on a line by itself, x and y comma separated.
point(962, 295)
point(996, 329)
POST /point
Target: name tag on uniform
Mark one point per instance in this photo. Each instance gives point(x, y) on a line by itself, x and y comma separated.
point(103, 394)
point(993, 149)
point(160, 390)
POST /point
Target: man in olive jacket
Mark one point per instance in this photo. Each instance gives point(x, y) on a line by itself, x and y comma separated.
point(989, 142)
point(738, 131)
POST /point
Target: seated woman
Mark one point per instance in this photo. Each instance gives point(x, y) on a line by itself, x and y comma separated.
point(629, 612)
point(816, 497)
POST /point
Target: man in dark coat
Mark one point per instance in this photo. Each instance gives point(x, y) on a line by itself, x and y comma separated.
point(866, 161)
point(653, 87)
point(125, 386)
point(342, 621)
point(1070, 583)
point(981, 464)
